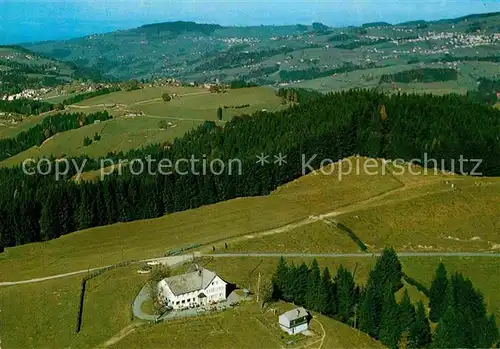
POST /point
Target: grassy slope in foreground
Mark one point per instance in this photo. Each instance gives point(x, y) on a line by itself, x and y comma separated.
point(245, 327)
point(313, 194)
point(51, 306)
point(43, 315)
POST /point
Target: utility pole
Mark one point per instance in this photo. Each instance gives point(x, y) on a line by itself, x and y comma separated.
point(356, 317)
point(258, 288)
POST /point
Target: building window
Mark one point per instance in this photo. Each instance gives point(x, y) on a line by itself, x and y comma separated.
point(177, 303)
point(183, 301)
point(189, 300)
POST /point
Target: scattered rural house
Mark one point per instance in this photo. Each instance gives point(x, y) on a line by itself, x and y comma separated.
point(294, 321)
point(198, 288)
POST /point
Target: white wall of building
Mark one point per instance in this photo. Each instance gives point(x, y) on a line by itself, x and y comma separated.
point(214, 292)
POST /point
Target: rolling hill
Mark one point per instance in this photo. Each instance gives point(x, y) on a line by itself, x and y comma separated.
point(276, 54)
point(22, 69)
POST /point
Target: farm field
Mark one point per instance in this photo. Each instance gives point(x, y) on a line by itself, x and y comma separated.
point(469, 73)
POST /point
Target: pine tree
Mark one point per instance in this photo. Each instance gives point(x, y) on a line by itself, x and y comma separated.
point(438, 300)
point(408, 314)
point(449, 333)
point(345, 292)
point(390, 327)
point(369, 310)
point(420, 331)
point(491, 334)
point(326, 296)
point(280, 279)
point(388, 270)
point(300, 284)
point(313, 288)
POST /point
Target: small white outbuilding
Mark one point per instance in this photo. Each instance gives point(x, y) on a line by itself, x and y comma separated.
point(294, 321)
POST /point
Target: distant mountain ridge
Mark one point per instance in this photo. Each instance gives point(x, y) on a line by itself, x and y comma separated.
point(179, 27)
point(263, 54)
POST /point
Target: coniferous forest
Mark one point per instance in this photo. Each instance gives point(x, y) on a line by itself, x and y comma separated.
point(334, 126)
point(455, 305)
point(421, 75)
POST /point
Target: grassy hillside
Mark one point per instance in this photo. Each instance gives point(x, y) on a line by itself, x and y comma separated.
point(206, 225)
point(246, 220)
point(188, 109)
point(52, 309)
point(291, 219)
point(107, 321)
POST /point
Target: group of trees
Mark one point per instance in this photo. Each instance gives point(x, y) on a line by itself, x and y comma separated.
point(298, 95)
point(360, 43)
point(460, 312)
point(166, 97)
point(314, 73)
point(421, 75)
point(372, 308)
point(88, 141)
point(25, 106)
point(382, 317)
point(156, 274)
point(47, 128)
point(234, 59)
point(320, 127)
point(316, 290)
point(87, 95)
point(239, 83)
point(487, 92)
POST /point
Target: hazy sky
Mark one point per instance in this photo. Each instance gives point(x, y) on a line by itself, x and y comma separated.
point(33, 20)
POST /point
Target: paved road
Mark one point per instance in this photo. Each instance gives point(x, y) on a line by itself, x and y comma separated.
point(8, 283)
point(360, 255)
point(171, 261)
point(179, 259)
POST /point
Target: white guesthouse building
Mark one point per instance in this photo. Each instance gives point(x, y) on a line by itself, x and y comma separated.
point(294, 321)
point(197, 288)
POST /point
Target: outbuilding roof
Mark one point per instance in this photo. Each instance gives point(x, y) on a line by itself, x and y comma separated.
point(190, 282)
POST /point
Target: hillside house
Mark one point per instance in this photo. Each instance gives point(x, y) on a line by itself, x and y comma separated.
point(198, 288)
point(294, 321)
